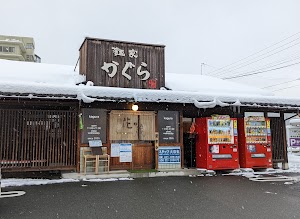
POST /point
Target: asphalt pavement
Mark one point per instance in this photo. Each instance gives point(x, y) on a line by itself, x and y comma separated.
point(163, 197)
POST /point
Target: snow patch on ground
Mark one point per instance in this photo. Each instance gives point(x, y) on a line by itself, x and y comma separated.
point(107, 180)
point(33, 182)
point(36, 182)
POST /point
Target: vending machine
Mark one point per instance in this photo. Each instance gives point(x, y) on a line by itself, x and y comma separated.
point(255, 142)
point(217, 143)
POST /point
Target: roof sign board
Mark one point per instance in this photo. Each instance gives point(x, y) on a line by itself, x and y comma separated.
point(123, 64)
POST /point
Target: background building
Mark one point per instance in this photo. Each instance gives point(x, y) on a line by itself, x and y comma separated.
point(18, 48)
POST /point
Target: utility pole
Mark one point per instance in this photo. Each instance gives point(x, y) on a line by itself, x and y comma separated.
point(201, 67)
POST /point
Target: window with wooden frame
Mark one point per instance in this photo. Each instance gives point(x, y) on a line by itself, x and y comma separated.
point(134, 126)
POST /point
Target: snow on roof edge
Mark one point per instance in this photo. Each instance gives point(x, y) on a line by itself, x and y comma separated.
point(97, 93)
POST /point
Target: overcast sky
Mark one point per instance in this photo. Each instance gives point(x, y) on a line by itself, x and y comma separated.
point(215, 33)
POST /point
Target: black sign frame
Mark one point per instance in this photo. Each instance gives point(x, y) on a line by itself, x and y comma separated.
point(94, 125)
point(168, 126)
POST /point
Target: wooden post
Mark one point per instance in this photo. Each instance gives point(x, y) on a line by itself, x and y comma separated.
point(78, 141)
point(181, 138)
point(285, 164)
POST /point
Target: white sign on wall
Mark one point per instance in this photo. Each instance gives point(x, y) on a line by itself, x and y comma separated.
point(125, 152)
point(115, 150)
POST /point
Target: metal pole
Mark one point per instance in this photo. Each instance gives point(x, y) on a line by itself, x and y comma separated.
point(201, 67)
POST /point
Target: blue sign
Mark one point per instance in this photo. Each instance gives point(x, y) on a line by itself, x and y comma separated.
point(169, 155)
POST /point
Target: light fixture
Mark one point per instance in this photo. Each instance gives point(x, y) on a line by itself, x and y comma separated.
point(135, 107)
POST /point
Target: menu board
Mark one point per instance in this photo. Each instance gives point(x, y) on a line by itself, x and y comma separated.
point(94, 125)
point(220, 131)
point(255, 129)
point(168, 126)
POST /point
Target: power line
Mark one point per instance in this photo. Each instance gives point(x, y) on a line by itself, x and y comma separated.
point(281, 83)
point(245, 75)
point(261, 58)
point(272, 64)
point(287, 87)
point(255, 53)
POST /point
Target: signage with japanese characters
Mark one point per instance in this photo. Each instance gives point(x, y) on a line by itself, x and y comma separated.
point(94, 125)
point(125, 152)
point(122, 64)
point(169, 155)
point(168, 126)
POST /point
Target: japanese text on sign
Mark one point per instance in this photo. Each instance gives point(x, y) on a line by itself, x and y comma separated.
point(125, 152)
point(169, 155)
point(113, 66)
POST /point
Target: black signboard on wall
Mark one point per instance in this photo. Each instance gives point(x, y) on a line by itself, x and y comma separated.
point(94, 125)
point(168, 126)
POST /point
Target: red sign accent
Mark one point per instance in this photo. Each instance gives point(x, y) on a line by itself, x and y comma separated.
point(152, 83)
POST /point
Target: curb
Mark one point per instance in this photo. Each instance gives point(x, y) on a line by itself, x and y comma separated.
point(123, 174)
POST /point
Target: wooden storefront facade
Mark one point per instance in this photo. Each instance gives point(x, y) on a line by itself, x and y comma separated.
point(138, 128)
point(36, 136)
point(50, 135)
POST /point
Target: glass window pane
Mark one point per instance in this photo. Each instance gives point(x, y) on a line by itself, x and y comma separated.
point(29, 46)
point(11, 49)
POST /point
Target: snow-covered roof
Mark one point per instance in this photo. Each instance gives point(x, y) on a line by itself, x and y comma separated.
point(295, 121)
point(39, 73)
point(208, 84)
point(37, 80)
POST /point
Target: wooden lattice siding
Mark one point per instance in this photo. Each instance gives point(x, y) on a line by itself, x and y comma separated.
point(278, 139)
point(38, 139)
point(126, 125)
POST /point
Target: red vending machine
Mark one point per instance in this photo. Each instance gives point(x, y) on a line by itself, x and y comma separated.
point(216, 144)
point(255, 142)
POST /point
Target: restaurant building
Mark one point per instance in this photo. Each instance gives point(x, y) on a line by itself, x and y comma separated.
point(50, 126)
